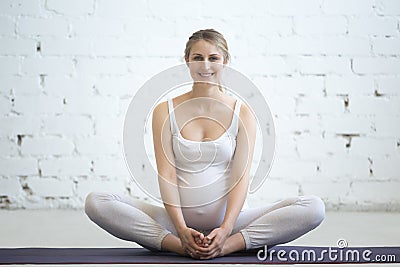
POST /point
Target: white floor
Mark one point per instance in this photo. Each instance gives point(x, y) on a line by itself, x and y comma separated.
point(71, 228)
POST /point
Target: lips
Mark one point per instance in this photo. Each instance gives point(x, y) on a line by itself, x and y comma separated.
point(206, 74)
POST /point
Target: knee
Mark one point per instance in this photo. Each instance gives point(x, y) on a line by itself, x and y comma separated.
point(92, 205)
point(316, 210)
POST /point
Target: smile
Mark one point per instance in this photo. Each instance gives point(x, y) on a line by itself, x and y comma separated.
point(206, 74)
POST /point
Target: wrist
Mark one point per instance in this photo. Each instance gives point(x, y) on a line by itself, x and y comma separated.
point(227, 227)
point(181, 229)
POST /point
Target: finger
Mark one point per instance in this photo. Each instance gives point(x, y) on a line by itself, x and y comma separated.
point(212, 255)
point(194, 246)
point(212, 234)
point(201, 236)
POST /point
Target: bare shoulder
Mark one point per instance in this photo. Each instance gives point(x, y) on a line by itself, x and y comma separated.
point(247, 116)
point(160, 114)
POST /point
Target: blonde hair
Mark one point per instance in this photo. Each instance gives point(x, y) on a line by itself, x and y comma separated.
point(211, 36)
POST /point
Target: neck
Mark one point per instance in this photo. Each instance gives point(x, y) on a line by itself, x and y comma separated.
point(205, 90)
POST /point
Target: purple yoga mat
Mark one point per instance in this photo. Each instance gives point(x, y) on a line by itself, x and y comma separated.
point(275, 255)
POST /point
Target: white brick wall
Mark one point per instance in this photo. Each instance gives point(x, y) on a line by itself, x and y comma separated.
point(329, 69)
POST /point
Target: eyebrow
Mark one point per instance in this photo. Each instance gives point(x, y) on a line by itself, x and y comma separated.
point(209, 54)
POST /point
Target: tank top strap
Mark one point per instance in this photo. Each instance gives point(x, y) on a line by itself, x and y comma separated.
point(235, 119)
point(172, 119)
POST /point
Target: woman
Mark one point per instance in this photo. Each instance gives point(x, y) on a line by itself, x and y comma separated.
point(203, 142)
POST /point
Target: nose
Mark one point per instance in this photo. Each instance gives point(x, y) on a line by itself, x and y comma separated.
point(206, 64)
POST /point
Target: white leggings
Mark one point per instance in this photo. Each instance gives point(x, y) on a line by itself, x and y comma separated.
point(147, 224)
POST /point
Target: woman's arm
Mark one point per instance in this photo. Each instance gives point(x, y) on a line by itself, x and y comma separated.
point(162, 140)
point(241, 166)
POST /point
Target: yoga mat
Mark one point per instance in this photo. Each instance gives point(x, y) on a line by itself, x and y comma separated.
point(275, 255)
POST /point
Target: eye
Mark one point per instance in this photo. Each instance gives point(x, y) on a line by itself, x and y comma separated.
point(214, 58)
point(198, 58)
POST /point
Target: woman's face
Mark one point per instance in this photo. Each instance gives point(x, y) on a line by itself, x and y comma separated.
point(205, 62)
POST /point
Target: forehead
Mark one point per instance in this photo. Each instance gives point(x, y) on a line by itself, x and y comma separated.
point(204, 47)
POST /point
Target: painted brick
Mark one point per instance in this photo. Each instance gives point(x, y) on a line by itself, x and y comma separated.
point(47, 66)
point(40, 104)
point(50, 187)
point(46, 146)
point(376, 65)
point(10, 146)
point(51, 46)
point(121, 9)
point(345, 166)
point(18, 86)
point(274, 189)
point(330, 191)
point(71, 8)
point(373, 147)
point(298, 85)
point(7, 26)
point(331, 46)
point(119, 86)
point(320, 25)
point(98, 145)
point(271, 25)
point(5, 105)
point(328, 70)
point(91, 105)
point(117, 47)
point(347, 124)
point(388, 85)
point(378, 105)
point(18, 166)
point(293, 7)
point(373, 26)
point(293, 168)
point(387, 167)
point(97, 27)
point(345, 7)
point(9, 65)
point(310, 124)
point(97, 185)
point(42, 26)
point(83, 125)
point(20, 7)
point(372, 191)
point(387, 126)
point(275, 66)
point(69, 87)
point(315, 148)
point(23, 125)
point(10, 187)
point(186, 9)
point(386, 46)
point(110, 126)
point(101, 66)
point(134, 28)
point(324, 65)
point(387, 7)
point(320, 105)
point(21, 47)
point(110, 167)
point(65, 167)
point(349, 85)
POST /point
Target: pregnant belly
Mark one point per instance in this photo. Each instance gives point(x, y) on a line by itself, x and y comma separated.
point(205, 217)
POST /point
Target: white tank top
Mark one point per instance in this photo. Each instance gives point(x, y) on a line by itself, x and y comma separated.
point(203, 170)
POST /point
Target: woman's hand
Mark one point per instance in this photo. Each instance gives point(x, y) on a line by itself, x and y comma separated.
point(214, 243)
point(192, 241)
